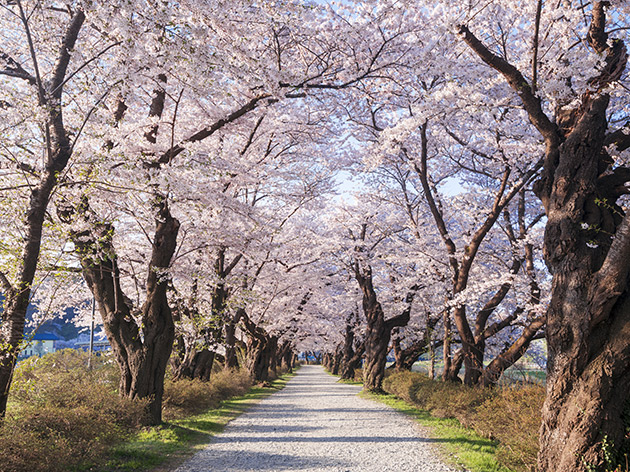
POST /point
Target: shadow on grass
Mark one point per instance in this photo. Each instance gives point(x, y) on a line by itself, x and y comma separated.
point(475, 453)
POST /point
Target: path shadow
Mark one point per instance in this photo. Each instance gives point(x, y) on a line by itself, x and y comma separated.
point(245, 460)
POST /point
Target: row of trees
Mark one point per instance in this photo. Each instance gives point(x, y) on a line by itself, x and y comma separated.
point(353, 178)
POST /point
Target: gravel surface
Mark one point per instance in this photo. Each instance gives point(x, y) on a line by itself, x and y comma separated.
point(317, 424)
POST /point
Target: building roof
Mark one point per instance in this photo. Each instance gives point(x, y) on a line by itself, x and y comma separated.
point(43, 337)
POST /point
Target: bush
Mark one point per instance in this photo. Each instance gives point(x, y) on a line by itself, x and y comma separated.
point(61, 410)
point(186, 397)
point(510, 415)
point(63, 416)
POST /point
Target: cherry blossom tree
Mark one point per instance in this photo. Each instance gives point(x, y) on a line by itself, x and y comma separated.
point(564, 65)
point(48, 56)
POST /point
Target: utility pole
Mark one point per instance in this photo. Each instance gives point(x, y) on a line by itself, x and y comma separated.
point(91, 335)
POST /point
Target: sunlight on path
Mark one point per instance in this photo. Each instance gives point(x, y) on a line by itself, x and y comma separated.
point(316, 424)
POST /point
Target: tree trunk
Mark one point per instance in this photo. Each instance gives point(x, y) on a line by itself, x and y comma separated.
point(353, 363)
point(378, 331)
point(271, 351)
point(231, 360)
point(256, 360)
point(142, 349)
point(347, 353)
point(588, 319)
point(336, 361)
point(260, 349)
point(326, 360)
point(286, 357)
point(17, 296)
point(196, 365)
point(452, 375)
point(446, 346)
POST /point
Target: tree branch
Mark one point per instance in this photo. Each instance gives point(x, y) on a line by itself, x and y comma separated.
point(532, 104)
point(620, 138)
point(597, 36)
point(5, 284)
point(67, 45)
point(14, 69)
point(210, 130)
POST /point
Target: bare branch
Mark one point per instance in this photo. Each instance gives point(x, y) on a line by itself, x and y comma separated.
point(14, 69)
point(210, 130)
point(5, 283)
point(535, 47)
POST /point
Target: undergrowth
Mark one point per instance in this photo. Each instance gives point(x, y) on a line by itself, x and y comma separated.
point(508, 417)
point(64, 417)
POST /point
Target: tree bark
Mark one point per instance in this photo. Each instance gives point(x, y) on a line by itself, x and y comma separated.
point(196, 365)
point(588, 319)
point(142, 348)
point(353, 363)
point(378, 332)
point(336, 360)
point(347, 352)
point(286, 354)
point(231, 360)
point(260, 349)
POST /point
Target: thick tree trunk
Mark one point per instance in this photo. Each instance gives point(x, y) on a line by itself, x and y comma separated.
point(378, 332)
point(588, 319)
point(256, 361)
point(196, 365)
point(59, 151)
point(326, 360)
point(347, 353)
point(261, 348)
point(286, 357)
point(353, 363)
point(231, 360)
point(336, 360)
point(142, 349)
point(271, 351)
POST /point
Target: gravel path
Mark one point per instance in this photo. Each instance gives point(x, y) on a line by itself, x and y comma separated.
point(317, 424)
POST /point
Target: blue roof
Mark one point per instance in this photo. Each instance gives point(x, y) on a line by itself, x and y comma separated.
point(43, 337)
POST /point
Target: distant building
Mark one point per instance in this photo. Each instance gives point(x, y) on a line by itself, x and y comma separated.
point(39, 344)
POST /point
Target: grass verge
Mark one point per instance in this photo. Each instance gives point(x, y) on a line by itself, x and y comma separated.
point(464, 447)
point(163, 448)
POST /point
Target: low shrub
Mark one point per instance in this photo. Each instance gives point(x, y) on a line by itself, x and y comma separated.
point(63, 415)
point(510, 415)
point(187, 397)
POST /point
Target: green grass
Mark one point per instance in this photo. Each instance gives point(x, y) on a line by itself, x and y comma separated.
point(350, 382)
point(465, 448)
point(162, 448)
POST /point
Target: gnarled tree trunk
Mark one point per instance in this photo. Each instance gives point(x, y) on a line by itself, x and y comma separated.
point(142, 348)
point(588, 319)
point(378, 332)
point(196, 365)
